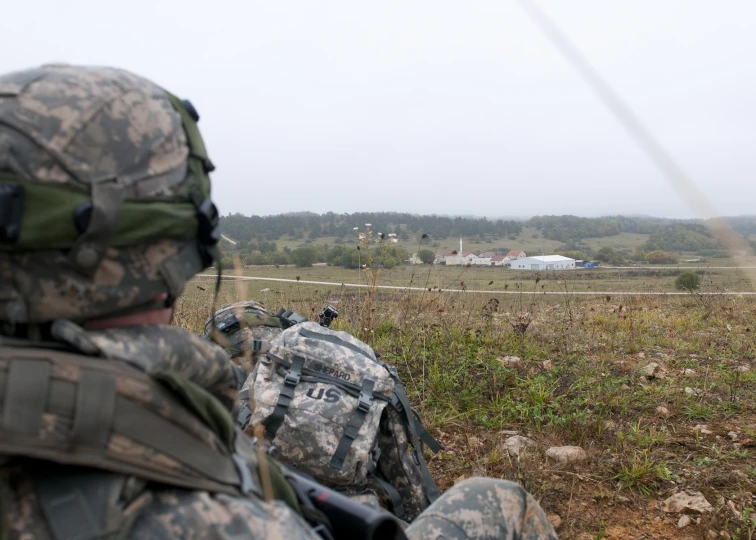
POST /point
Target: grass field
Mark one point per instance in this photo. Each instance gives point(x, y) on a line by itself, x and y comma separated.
point(499, 279)
point(580, 378)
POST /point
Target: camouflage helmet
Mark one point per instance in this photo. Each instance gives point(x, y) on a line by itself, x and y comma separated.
point(243, 326)
point(104, 194)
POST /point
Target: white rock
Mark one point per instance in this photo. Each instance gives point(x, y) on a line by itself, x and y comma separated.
point(547, 365)
point(687, 502)
point(622, 499)
point(517, 443)
point(651, 370)
point(703, 429)
point(683, 522)
point(689, 372)
point(732, 435)
point(689, 391)
point(509, 432)
point(641, 355)
point(509, 361)
point(662, 411)
point(733, 508)
point(566, 454)
point(625, 387)
point(743, 369)
point(266, 289)
point(555, 520)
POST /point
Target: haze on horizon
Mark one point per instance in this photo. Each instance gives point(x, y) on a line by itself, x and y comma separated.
point(432, 106)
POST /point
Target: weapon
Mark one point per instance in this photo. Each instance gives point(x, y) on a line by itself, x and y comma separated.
point(328, 315)
point(348, 519)
point(289, 318)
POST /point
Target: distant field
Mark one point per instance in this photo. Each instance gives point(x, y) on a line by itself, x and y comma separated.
point(484, 279)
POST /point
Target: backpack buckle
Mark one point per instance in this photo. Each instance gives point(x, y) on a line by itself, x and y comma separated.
point(364, 402)
point(11, 211)
point(291, 379)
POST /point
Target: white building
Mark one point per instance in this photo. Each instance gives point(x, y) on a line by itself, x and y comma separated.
point(544, 262)
point(481, 261)
point(516, 254)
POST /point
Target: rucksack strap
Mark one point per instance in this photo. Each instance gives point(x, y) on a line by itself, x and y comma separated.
point(82, 504)
point(291, 380)
point(430, 441)
point(354, 425)
point(245, 412)
point(417, 450)
point(92, 412)
point(397, 506)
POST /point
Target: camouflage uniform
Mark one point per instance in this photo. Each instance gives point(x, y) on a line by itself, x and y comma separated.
point(104, 211)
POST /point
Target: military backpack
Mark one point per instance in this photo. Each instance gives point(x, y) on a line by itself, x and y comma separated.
point(338, 413)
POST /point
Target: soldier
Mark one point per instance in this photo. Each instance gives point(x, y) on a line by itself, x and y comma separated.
point(114, 424)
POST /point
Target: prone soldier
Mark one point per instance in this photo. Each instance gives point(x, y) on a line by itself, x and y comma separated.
point(115, 424)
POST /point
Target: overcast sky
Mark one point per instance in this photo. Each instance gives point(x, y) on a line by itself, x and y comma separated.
point(445, 107)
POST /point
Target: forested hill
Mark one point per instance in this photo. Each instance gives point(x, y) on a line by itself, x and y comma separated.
point(567, 229)
point(313, 226)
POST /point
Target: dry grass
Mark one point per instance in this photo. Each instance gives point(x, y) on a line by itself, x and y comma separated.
point(578, 382)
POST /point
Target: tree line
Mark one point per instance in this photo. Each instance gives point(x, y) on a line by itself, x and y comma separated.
point(304, 225)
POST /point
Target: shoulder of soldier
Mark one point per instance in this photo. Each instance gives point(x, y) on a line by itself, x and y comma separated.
point(198, 515)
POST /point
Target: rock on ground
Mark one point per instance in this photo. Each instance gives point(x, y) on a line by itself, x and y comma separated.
point(555, 520)
point(517, 443)
point(509, 361)
point(651, 370)
point(566, 454)
point(684, 522)
point(687, 502)
point(662, 411)
point(703, 429)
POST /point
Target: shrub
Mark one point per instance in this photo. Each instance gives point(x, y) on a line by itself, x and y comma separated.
point(426, 255)
point(688, 281)
point(304, 256)
point(661, 257)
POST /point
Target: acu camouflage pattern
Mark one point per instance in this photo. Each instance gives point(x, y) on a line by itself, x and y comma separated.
point(135, 423)
point(136, 508)
point(323, 403)
point(78, 127)
point(321, 409)
point(483, 509)
point(243, 328)
point(168, 513)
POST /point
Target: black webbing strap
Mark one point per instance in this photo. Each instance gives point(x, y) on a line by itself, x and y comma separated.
point(330, 338)
point(291, 380)
point(354, 425)
point(406, 410)
point(95, 406)
point(425, 435)
point(397, 507)
point(26, 395)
